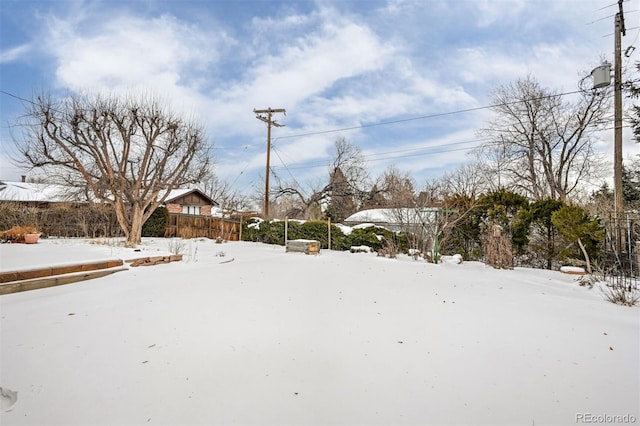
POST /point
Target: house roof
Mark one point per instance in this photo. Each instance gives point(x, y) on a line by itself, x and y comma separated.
point(181, 192)
point(391, 216)
point(35, 192)
point(53, 193)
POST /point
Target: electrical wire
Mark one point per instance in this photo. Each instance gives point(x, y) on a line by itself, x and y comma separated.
point(316, 164)
point(612, 4)
point(392, 157)
point(287, 169)
point(424, 117)
point(383, 123)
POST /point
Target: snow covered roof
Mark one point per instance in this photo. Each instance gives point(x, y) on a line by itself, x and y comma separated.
point(181, 192)
point(400, 215)
point(34, 192)
point(53, 193)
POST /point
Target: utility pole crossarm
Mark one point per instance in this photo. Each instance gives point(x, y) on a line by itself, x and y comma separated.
point(623, 30)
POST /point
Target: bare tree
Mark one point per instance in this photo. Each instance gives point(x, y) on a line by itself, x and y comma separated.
point(397, 188)
point(347, 178)
point(294, 202)
point(229, 200)
point(348, 158)
point(344, 191)
point(432, 193)
point(542, 142)
point(456, 197)
point(126, 152)
point(469, 180)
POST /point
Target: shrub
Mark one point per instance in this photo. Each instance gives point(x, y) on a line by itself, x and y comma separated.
point(317, 230)
point(156, 225)
point(176, 246)
point(63, 219)
point(621, 294)
point(271, 233)
point(251, 229)
point(16, 233)
point(372, 236)
point(389, 249)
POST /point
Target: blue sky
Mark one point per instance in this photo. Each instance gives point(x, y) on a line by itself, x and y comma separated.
point(330, 64)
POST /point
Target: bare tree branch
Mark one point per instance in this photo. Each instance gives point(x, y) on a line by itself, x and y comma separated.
point(127, 152)
point(542, 143)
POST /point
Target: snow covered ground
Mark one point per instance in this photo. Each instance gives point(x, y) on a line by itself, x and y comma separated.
point(244, 333)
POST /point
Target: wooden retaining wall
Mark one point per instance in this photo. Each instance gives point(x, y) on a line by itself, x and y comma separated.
point(33, 279)
point(49, 271)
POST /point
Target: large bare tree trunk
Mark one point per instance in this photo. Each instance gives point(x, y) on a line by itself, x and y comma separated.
point(137, 220)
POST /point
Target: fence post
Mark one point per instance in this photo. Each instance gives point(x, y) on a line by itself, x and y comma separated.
point(286, 230)
point(329, 234)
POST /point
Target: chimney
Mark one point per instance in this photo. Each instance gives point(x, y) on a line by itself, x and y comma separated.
point(24, 178)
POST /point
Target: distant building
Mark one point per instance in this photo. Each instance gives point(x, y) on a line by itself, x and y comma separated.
point(395, 219)
point(185, 201)
point(38, 194)
point(189, 201)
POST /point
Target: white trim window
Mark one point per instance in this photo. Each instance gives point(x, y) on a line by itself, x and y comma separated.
point(187, 209)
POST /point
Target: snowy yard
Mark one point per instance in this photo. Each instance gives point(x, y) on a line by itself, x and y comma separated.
point(286, 338)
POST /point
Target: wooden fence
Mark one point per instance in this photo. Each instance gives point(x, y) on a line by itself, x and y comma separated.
point(192, 226)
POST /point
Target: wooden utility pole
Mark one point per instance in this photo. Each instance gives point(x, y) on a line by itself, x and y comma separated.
point(617, 136)
point(270, 122)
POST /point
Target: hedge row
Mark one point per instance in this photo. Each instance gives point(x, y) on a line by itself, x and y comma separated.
point(273, 233)
point(62, 219)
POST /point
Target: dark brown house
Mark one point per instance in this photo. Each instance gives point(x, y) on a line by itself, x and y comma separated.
point(189, 201)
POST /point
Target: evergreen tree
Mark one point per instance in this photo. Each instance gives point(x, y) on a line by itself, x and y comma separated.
point(542, 224)
point(156, 225)
point(574, 224)
point(373, 199)
point(464, 237)
point(342, 201)
point(504, 208)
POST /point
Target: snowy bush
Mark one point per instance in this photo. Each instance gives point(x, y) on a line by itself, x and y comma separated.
point(456, 258)
point(176, 246)
point(414, 253)
point(360, 249)
point(370, 236)
point(625, 295)
point(389, 249)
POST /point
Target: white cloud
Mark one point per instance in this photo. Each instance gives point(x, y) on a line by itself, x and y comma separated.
point(306, 67)
point(557, 66)
point(128, 52)
point(330, 64)
point(490, 11)
point(15, 53)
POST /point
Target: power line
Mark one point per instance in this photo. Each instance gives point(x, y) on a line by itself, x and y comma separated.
point(392, 157)
point(384, 123)
point(287, 169)
point(612, 4)
point(428, 147)
point(323, 163)
point(424, 117)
